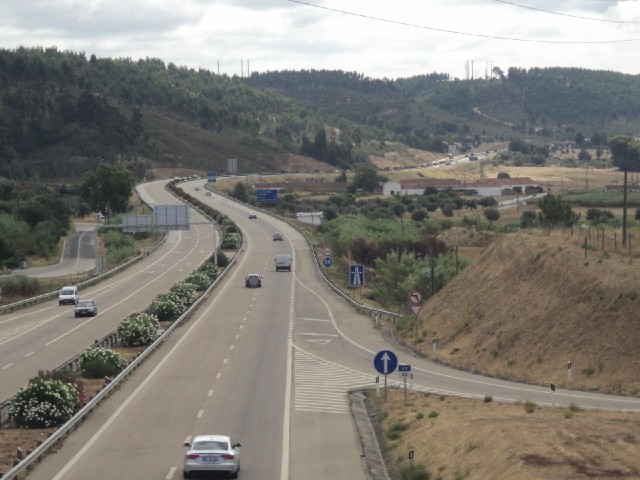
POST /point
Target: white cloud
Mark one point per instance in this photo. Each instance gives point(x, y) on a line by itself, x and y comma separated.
point(379, 38)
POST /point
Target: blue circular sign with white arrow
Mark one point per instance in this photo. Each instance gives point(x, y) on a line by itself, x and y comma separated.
point(385, 361)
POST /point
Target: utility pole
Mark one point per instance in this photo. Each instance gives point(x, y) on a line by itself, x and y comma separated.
point(624, 199)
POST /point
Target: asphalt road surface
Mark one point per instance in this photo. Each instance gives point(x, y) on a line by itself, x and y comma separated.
point(269, 366)
point(78, 257)
point(46, 335)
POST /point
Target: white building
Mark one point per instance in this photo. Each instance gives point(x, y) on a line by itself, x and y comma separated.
point(488, 187)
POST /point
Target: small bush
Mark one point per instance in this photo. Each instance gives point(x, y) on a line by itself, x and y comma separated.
point(101, 362)
point(19, 285)
point(184, 293)
point(573, 407)
point(200, 280)
point(529, 406)
point(164, 309)
point(488, 398)
point(230, 241)
point(433, 414)
point(210, 269)
point(137, 329)
point(419, 416)
point(414, 471)
point(395, 430)
point(44, 403)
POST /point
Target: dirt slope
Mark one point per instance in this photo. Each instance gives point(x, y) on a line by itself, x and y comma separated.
point(529, 304)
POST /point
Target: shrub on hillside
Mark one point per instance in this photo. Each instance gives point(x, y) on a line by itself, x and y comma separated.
point(43, 403)
point(137, 329)
point(20, 285)
point(414, 471)
point(101, 362)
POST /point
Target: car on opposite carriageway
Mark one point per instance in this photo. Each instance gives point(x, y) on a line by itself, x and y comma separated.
point(85, 308)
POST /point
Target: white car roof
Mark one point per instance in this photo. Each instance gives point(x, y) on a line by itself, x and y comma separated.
point(208, 438)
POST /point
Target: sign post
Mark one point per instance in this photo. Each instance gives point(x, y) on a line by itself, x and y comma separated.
point(405, 371)
point(415, 300)
point(553, 395)
point(385, 362)
point(327, 261)
point(356, 275)
point(569, 365)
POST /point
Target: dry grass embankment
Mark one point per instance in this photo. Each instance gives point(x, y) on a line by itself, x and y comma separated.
point(457, 438)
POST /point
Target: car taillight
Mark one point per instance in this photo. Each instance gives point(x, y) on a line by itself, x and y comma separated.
point(192, 456)
point(227, 456)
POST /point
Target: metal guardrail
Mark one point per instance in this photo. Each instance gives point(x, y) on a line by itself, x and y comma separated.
point(37, 454)
point(41, 450)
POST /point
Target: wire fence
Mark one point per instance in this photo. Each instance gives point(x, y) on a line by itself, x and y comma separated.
point(606, 240)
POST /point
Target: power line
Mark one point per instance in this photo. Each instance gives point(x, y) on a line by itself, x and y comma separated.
point(493, 37)
point(564, 14)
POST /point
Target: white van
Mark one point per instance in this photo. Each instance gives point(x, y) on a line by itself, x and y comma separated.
point(283, 262)
point(68, 295)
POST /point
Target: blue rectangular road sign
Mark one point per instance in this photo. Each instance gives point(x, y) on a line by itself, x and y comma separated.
point(356, 275)
point(267, 195)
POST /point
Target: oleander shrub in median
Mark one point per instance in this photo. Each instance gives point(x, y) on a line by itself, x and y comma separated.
point(210, 269)
point(43, 403)
point(230, 241)
point(137, 329)
point(198, 279)
point(101, 362)
point(184, 293)
point(164, 309)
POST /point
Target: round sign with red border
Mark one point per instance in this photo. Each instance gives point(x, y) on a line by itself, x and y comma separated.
point(415, 298)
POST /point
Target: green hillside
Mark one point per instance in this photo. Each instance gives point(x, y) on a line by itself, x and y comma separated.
point(70, 111)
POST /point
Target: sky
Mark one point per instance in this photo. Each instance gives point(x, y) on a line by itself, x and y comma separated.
point(377, 38)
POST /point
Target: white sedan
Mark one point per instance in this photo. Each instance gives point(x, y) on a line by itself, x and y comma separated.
point(211, 453)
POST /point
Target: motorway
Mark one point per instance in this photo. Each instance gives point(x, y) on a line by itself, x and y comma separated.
point(78, 257)
point(268, 366)
point(46, 335)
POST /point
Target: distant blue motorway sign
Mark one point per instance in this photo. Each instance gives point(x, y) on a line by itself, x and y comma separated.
point(267, 195)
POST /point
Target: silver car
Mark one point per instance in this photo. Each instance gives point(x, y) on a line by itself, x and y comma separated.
point(85, 308)
point(212, 453)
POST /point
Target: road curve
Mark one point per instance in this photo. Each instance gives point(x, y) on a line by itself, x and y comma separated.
point(269, 366)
